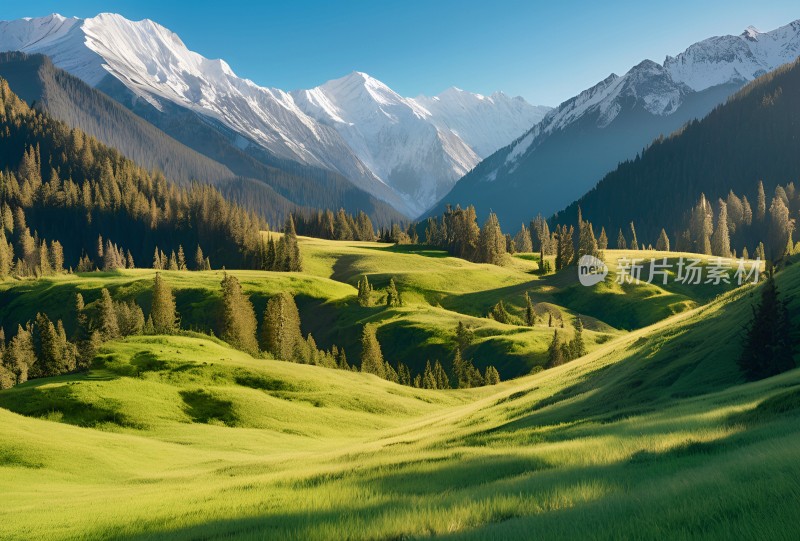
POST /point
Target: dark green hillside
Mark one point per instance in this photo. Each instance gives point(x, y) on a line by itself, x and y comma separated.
point(754, 136)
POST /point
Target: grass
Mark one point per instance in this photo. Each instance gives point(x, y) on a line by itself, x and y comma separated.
point(652, 435)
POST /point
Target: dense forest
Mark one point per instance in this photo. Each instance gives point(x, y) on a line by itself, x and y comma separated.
point(752, 137)
point(63, 191)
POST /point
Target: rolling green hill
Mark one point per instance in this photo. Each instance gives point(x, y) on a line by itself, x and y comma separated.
point(651, 435)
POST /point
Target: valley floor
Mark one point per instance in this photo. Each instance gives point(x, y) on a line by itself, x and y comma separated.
point(651, 435)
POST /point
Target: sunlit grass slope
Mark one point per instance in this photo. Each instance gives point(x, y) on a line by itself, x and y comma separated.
point(652, 435)
point(439, 291)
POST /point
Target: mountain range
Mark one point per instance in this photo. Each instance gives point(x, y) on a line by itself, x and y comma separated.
point(408, 152)
point(563, 156)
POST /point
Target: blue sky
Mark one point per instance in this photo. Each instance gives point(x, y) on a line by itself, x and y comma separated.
point(543, 51)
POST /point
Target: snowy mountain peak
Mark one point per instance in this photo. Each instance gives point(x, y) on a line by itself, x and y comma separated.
point(403, 150)
point(751, 33)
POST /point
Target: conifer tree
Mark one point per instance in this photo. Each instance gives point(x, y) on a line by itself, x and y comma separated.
point(492, 376)
point(720, 239)
point(372, 361)
point(403, 375)
point(364, 292)
point(20, 355)
point(158, 263)
point(428, 378)
point(439, 374)
point(662, 244)
point(162, 313)
point(530, 313)
point(173, 261)
point(492, 243)
point(280, 329)
point(522, 241)
point(181, 259)
point(602, 241)
point(393, 298)
point(761, 202)
point(108, 325)
point(768, 346)
point(621, 244)
point(555, 355)
point(578, 346)
point(634, 242)
point(200, 260)
point(464, 336)
point(238, 324)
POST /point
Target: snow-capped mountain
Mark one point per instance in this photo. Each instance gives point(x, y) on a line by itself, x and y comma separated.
point(575, 144)
point(422, 159)
point(420, 147)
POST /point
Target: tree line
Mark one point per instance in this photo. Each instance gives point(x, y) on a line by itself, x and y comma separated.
point(60, 190)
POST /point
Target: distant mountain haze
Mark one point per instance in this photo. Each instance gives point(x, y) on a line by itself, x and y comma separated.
point(567, 153)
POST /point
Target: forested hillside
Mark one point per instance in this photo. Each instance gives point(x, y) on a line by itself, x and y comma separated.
point(64, 193)
point(186, 150)
point(752, 137)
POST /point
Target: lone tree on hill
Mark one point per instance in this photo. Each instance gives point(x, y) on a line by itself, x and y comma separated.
point(238, 317)
point(163, 313)
point(371, 357)
point(280, 331)
point(768, 346)
point(393, 298)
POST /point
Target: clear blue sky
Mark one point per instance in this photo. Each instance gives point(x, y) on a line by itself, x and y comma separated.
point(543, 51)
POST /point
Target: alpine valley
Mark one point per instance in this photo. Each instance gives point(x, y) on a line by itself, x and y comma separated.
point(235, 312)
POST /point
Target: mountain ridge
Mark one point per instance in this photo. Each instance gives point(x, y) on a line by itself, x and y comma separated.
point(156, 66)
point(615, 119)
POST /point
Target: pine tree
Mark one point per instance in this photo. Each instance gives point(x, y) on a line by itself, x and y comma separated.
point(530, 313)
point(108, 325)
point(492, 376)
point(578, 345)
point(522, 241)
point(634, 242)
point(294, 262)
point(200, 260)
point(20, 355)
point(158, 263)
point(602, 242)
point(280, 329)
point(238, 323)
point(428, 378)
point(464, 336)
point(181, 259)
point(768, 346)
point(439, 374)
point(393, 298)
point(555, 355)
point(720, 239)
point(403, 375)
point(492, 244)
point(364, 292)
point(761, 202)
point(163, 313)
point(662, 244)
point(173, 261)
point(372, 361)
point(621, 244)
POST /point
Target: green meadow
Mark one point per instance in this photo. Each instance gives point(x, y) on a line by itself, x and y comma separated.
point(653, 434)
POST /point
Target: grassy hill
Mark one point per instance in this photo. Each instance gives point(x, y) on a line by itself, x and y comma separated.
point(653, 434)
point(438, 292)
